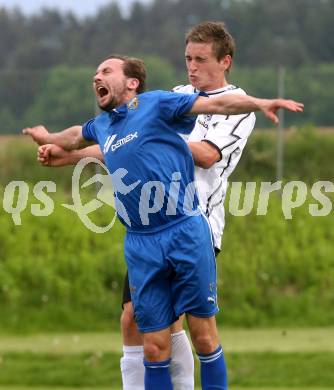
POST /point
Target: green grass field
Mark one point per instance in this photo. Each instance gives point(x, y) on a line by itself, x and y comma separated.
point(265, 359)
point(234, 340)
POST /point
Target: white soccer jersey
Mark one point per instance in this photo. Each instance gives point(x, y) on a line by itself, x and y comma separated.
point(228, 134)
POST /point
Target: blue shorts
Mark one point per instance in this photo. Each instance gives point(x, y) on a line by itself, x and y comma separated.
point(171, 272)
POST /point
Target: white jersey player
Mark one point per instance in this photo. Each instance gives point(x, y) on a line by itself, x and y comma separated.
point(228, 134)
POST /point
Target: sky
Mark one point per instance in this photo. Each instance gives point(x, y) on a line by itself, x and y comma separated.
point(81, 8)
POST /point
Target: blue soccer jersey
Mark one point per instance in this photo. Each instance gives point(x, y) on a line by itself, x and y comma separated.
point(151, 166)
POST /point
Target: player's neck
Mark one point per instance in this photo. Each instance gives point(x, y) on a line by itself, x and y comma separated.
point(127, 97)
point(217, 88)
point(219, 84)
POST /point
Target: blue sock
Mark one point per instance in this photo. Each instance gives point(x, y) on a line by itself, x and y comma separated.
point(157, 375)
point(213, 370)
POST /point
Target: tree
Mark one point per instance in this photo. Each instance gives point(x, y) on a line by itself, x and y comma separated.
point(65, 99)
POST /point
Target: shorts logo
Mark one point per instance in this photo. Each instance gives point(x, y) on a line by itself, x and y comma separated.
point(211, 299)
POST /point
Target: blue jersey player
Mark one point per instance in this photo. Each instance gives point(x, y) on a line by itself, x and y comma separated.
point(168, 247)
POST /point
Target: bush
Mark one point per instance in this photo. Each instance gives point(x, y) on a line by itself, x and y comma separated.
point(55, 274)
point(274, 271)
point(307, 156)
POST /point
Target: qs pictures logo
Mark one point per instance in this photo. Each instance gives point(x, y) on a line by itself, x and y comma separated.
point(104, 195)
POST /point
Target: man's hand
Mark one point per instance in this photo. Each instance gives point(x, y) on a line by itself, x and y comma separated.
point(233, 104)
point(270, 107)
point(53, 156)
point(38, 133)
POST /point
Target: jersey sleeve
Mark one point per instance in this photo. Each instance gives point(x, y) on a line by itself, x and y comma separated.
point(89, 131)
point(226, 133)
point(174, 108)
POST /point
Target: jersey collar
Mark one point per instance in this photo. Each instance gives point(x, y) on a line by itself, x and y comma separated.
point(227, 87)
point(118, 113)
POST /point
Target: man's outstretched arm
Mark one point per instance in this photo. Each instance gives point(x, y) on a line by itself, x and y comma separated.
point(204, 154)
point(68, 139)
point(241, 104)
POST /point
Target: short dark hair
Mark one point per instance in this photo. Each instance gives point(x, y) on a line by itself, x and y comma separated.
point(134, 68)
point(215, 33)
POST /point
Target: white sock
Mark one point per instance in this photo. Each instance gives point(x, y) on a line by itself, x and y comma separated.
point(132, 367)
point(182, 364)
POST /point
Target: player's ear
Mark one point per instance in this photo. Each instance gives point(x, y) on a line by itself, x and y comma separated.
point(226, 62)
point(132, 84)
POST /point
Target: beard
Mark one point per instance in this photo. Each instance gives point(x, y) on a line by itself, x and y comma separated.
point(113, 103)
point(116, 98)
point(107, 107)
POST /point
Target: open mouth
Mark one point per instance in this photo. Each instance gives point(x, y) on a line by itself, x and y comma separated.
point(102, 91)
